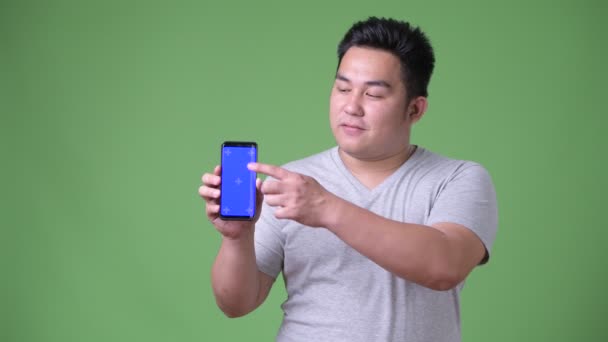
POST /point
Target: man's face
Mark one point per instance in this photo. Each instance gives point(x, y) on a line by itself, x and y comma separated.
point(368, 108)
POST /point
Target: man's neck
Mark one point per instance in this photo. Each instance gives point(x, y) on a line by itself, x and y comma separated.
point(371, 172)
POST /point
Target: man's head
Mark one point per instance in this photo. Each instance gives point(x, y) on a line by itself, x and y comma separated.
point(409, 44)
point(380, 88)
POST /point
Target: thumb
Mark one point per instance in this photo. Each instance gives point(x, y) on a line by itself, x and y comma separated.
point(259, 198)
point(259, 194)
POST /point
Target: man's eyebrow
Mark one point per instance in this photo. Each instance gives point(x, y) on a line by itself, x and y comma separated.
point(379, 83)
point(342, 78)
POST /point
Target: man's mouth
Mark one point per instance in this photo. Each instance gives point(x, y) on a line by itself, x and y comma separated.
point(351, 129)
point(352, 126)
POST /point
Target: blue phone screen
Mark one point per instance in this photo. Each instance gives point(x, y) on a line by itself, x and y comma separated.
point(238, 182)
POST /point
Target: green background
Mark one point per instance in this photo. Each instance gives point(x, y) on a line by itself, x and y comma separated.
point(112, 111)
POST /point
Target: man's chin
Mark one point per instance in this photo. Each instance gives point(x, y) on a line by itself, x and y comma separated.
point(354, 150)
point(357, 148)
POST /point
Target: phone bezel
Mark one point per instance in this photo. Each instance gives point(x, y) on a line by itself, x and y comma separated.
point(236, 144)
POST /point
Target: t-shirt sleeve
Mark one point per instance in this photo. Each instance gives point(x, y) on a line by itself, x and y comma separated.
point(468, 198)
point(269, 242)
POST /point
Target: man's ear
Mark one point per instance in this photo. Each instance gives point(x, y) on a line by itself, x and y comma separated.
point(416, 108)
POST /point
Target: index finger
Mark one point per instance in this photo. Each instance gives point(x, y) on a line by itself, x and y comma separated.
point(269, 170)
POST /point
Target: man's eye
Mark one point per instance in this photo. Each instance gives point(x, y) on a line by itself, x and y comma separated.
point(376, 96)
point(343, 90)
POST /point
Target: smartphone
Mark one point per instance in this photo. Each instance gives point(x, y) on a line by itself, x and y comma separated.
point(237, 189)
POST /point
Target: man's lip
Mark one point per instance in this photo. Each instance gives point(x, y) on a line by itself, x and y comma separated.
point(352, 126)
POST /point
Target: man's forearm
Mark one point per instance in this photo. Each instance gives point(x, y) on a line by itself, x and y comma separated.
point(235, 277)
point(411, 251)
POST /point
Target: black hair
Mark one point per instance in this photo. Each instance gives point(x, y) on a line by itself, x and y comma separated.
point(406, 42)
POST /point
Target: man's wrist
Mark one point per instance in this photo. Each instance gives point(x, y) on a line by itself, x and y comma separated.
point(333, 211)
point(243, 237)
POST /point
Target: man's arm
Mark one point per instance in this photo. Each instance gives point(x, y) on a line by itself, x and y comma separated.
point(438, 257)
point(237, 284)
point(239, 287)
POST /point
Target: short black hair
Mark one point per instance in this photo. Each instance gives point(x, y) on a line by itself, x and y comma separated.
point(406, 42)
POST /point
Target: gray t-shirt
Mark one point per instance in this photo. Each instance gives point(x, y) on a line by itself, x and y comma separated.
point(335, 293)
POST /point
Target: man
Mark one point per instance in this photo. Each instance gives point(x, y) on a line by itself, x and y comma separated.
point(376, 236)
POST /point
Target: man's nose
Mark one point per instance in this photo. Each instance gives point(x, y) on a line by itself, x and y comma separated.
point(353, 104)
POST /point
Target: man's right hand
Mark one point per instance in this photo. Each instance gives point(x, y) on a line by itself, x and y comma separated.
point(210, 192)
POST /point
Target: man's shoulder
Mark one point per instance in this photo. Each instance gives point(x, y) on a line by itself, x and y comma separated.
point(439, 164)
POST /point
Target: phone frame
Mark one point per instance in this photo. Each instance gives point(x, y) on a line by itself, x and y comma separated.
point(238, 144)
